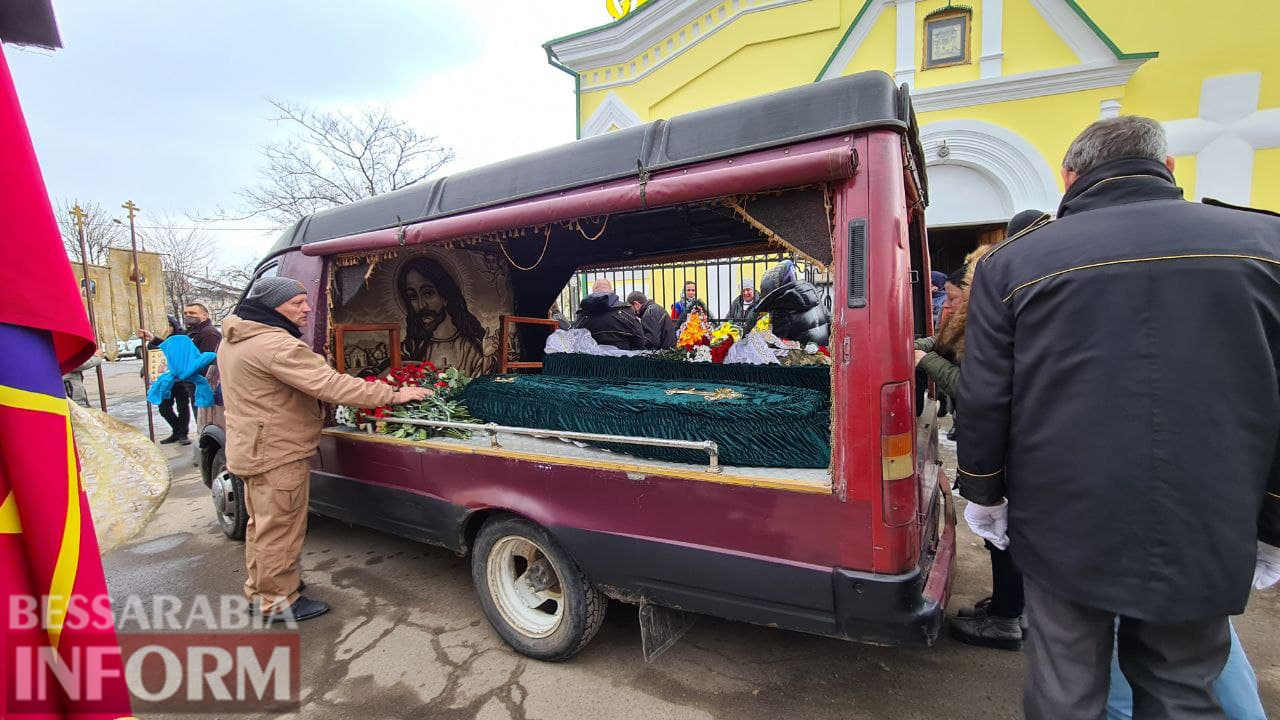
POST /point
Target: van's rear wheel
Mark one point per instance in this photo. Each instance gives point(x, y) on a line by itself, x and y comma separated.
point(228, 498)
point(532, 592)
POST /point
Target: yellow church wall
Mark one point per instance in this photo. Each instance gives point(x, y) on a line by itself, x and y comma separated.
point(877, 48)
point(1184, 173)
point(1030, 44)
point(767, 64)
point(778, 48)
point(1049, 123)
point(1266, 179)
point(954, 73)
point(1194, 44)
point(786, 46)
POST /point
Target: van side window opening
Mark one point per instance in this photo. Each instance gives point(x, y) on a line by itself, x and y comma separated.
point(446, 301)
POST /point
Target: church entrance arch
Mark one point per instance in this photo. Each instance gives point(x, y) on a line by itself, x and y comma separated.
point(980, 175)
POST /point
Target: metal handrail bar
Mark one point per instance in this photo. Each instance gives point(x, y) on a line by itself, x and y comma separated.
point(708, 446)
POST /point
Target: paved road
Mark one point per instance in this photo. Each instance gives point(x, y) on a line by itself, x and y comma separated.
point(407, 639)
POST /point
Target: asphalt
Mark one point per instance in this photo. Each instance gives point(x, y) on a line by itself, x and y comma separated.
point(406, 638)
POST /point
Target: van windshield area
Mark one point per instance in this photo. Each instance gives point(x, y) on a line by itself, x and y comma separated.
point(691, 324)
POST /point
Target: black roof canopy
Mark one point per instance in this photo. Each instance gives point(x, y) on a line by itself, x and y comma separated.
point(854, 102)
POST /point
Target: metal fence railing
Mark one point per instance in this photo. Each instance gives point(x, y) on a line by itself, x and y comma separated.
point(718, 281)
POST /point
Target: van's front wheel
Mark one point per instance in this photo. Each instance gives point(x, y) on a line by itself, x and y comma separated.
point(532, 592)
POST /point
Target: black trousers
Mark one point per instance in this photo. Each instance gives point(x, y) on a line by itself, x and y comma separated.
point(1171, 666)
point(1007, 598)
point(176, 409)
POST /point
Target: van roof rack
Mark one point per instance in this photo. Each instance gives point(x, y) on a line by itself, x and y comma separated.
point(846, 104)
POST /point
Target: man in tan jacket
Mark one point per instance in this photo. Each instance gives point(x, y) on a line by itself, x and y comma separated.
point(271, 381)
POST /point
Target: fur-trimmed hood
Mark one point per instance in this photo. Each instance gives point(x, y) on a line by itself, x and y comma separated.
point(950, 342)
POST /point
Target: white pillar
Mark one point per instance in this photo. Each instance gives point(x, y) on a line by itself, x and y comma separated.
point(992, 59)
point(905, 67)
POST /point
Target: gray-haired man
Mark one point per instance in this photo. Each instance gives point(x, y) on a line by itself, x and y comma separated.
point(1132, 427)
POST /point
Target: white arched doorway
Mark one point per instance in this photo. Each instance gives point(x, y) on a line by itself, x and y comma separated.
point(980, 175)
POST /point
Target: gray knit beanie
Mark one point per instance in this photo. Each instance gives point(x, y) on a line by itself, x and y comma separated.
point(272, 292)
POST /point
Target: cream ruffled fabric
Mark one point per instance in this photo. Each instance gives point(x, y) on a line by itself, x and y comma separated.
point(125, 476)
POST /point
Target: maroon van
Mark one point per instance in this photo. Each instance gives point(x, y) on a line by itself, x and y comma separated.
point(862, 549)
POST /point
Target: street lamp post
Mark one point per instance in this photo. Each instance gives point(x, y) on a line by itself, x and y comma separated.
point(79, 215)
point(136, 277)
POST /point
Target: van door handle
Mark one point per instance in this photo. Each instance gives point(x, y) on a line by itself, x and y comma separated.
point(846, 354)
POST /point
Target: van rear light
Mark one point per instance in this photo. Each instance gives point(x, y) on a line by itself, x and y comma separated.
point(897, 454)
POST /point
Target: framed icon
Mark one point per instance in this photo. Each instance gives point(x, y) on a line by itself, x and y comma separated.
point(366, 348)
point(947, 40)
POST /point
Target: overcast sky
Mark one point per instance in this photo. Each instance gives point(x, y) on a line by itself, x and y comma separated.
point(164, 102)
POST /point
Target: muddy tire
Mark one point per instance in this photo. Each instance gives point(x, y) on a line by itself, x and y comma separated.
point(227, 492)
point(533, 594)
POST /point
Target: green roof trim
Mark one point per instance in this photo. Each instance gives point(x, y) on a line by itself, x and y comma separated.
point(832, 57)
point(577, 92)
point(1120, 54)
point(606, 26)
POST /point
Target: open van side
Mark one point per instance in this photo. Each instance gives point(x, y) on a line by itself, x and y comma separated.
point(831, 175)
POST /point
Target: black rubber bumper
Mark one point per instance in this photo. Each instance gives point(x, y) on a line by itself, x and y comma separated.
point(886, 609)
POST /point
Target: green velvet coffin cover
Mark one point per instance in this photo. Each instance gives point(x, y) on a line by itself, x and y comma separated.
point(766, 427)
point(647, 368)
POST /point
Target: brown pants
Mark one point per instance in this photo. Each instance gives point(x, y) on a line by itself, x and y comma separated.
point(277, 505)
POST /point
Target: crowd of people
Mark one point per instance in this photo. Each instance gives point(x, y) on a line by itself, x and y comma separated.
point(1114, 370)
point(645, 325)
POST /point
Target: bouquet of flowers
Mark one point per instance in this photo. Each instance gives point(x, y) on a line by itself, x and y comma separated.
point(722, 339)
point(442, 386)
point(695, 331)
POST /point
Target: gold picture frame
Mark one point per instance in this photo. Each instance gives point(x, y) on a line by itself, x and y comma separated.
point(948, 39)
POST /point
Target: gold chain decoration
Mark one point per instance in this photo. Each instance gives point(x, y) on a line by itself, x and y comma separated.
point(709, 395)
point(503, 247)
point(578, 224)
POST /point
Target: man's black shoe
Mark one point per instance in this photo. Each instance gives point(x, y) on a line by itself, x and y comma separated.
point(184, 440)
point(301, 609)
point(171, 439)
point(979, 609)
point(988, 631)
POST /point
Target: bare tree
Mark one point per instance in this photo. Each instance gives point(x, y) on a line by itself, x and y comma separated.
point(336, 158)
point(99, 232)
point(237, 276)
point(187, 253)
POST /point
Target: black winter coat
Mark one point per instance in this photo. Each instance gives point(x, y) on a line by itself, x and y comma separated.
point(611, 321)
point(659, 331)
point(205, 336)
point(740, 311)
point(1121, 388)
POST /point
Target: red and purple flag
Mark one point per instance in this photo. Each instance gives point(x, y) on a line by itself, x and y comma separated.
point(60, 654)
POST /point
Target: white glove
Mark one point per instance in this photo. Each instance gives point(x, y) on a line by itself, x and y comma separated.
point(1267, 572)
point(991, 522)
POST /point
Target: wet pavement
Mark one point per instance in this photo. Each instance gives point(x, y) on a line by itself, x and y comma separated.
point(406, 638)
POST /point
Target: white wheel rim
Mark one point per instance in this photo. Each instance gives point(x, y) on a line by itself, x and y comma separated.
point(224, 500)
point(515, 569)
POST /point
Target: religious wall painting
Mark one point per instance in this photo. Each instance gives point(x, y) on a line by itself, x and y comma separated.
point(447, 304)
point(946, 37)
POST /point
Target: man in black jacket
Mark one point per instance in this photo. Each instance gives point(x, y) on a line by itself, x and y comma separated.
point(177, 408)
point(1120, 390)
point(659, 332)
point(611, 321)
